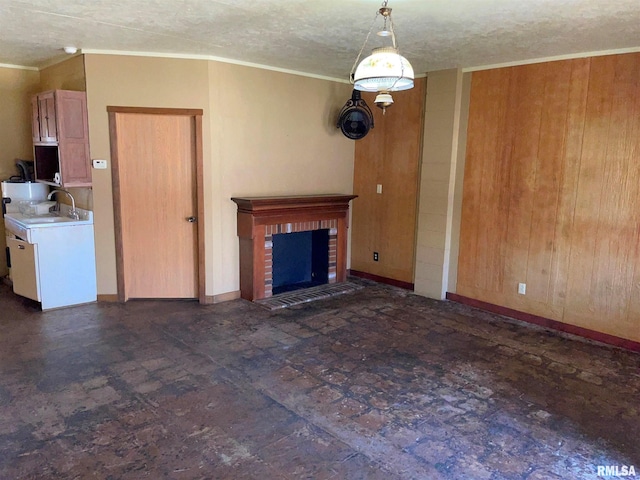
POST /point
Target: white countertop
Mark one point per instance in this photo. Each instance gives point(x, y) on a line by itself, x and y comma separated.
point(28, 227)
point(52, 220)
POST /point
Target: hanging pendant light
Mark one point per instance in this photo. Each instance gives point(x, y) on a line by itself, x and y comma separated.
point(385, 70)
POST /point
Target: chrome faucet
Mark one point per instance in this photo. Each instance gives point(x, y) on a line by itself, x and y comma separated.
point(73, 213)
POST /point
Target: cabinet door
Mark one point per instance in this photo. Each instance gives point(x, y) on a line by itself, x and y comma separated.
point(24, 268)
point(61, 138)
point(73, 135)
point(35, 119)
point(47, 109)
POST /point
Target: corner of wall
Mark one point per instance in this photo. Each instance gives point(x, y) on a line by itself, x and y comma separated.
point(441, 183)
point(457, 177)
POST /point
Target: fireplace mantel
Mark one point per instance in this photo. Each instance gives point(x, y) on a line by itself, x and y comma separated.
point(261, 217)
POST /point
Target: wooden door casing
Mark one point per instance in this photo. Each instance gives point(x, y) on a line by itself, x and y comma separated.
point(157, 157)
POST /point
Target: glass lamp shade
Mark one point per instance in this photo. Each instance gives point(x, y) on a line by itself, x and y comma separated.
point(385, 70)
point(384, 100)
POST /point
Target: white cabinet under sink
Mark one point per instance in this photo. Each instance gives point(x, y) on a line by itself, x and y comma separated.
point(52, 262)
point(25, 278)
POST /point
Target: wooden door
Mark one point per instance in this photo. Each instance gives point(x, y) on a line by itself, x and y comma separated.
point(155, 192)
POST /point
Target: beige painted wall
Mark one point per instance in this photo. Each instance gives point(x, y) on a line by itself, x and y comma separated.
point(273, 134)
point(141, 82)
point(66, 75)
point(446, 111)
point(16, 88)
point(264, 133)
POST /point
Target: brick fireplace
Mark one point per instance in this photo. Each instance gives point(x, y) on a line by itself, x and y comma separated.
point(259, 218)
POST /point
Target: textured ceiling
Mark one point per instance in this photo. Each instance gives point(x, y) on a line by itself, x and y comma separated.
point(319, 37)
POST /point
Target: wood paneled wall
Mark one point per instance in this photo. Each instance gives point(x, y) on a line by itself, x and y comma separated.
point(552, 192)
point(390, 156)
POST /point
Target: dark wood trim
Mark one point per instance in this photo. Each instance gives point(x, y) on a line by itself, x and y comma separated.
point(193, 112)
point(202, 294)
point(108, 298)
point(222, 297)
point(292, 209)
point(379, 279)
point(291, 202)
point(226, 297)
point(117, 207)
point(547, 323)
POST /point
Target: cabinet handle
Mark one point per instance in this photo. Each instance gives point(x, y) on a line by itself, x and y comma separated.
point(192, 219)
point(20, 247)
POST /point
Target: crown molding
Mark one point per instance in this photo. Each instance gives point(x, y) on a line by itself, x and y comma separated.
point(556, 58)
point(214, 59)
point(19, 67)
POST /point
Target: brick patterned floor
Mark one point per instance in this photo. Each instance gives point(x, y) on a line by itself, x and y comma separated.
point(374, 384)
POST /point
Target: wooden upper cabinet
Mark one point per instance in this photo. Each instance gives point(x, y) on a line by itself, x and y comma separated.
point(61, 138)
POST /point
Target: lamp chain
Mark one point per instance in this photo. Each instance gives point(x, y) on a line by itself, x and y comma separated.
point(393, 39)
point(355, 64)
point(393, 33)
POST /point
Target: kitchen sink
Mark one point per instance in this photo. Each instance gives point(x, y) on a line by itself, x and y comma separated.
point(52, 257)
point(36, 220)
point(49, 220)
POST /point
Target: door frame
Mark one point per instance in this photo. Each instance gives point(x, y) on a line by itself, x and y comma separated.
point(196, 115)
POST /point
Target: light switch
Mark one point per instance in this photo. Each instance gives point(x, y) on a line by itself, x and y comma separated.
point(99, 164)
point(379, 188)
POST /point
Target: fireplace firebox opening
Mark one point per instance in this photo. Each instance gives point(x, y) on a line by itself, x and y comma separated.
point(300, 260)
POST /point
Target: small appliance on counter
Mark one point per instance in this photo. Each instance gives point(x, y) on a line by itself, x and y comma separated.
point(19, 189)
point(17, 192)
point(26, 171)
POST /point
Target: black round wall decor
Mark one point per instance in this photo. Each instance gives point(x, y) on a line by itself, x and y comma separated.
point(355, 119)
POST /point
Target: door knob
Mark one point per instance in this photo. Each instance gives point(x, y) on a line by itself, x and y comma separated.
point(192, 219)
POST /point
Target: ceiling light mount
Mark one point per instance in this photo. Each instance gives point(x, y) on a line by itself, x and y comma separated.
point(386, 13)
point(385, 70)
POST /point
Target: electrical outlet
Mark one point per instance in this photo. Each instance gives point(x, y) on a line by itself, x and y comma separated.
point(375, 256)
point(379, 188)
point(522, 288)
